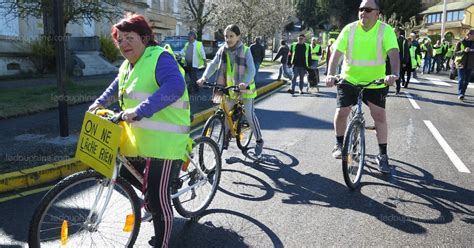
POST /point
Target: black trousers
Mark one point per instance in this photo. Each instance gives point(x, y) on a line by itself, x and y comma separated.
point(157, 196)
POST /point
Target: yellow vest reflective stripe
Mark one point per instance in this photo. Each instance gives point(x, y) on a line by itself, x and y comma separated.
point(414, 61)
point(250, 93)
point(314, 51)
point(198, 48)
point(377, 61)
point(165, 134)
point(142, 96)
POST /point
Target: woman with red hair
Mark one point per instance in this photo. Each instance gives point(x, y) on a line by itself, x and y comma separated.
point(155, 103)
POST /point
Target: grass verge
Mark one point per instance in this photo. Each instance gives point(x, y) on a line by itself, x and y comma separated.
point(22, 101)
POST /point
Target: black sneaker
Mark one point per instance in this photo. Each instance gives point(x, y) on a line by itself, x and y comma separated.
point(337, 151)
point(382, 162)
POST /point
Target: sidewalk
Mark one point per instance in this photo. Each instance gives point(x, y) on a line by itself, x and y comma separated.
point(33, 140)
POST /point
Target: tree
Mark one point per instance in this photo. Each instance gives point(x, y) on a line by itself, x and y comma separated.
point(255, 17)
point(75, 11)
point(404, 9)
point(200, 14)
point(314, 13)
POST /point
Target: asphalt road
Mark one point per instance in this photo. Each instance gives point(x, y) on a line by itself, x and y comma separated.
point(296, 196)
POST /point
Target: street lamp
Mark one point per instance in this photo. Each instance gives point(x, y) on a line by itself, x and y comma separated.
point(443, 19)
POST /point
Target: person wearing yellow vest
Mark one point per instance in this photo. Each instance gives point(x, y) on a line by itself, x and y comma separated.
point(464, 61)
point(438, 56)
point(449, 55)
point(234, 66)
point(414, 61)
point(152, 94)
point(313, 72)
point(365, 45)
point(300, 59)
point(195, 57)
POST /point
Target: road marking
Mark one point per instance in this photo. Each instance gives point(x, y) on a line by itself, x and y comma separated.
point(412, 101)
point(438, 82)
point(471, 85)
point(447, 149)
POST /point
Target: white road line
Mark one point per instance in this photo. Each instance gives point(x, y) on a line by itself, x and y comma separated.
point(447, 149)
point(471, 85)
point(438, 82)
point(412, 101)
point(415, 80)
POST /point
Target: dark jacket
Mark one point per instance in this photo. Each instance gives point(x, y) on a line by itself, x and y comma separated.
point(300, 55)
point(258, 52)
point(283, 51)
point(404, 50)
point(467, 61)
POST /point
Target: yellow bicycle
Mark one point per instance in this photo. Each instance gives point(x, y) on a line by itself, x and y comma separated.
point(239, 127)
point(93, 210)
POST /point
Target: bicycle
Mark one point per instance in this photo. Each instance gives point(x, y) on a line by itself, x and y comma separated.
point(239, 127)
point(353, 149)
point(89, 209)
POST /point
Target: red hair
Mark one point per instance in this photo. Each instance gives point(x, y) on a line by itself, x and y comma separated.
point(134, 23)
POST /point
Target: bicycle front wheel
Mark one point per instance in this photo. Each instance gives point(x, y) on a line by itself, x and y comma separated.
point(198, 184)
point(214, 129)
point(66, 215)
point(244, 133)
point(353, 153)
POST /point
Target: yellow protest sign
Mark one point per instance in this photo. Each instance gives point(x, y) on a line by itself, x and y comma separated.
point(98, 144)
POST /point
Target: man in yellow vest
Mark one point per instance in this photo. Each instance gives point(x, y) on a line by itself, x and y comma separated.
point(195, 57)
point(365, 45)
point(464, 61)
point(313, 72)
point(300, 59)
point(438, 55)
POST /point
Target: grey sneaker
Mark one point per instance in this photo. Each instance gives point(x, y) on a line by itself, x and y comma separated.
point(382, 162)
point(259, 148)
point(337, 151)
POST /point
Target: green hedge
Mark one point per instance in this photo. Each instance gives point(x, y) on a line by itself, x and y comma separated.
point(108, 49)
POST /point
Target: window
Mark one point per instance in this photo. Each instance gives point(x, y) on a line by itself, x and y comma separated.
point(438, 18)
point(455, 15)
point(450, 16)
point(9, 24)
point(461, 15)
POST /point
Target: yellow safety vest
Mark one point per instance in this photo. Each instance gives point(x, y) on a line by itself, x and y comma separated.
point(165, 134)
point(314, 51)
point(252, 92)
point(199, 52)
point(306, 52)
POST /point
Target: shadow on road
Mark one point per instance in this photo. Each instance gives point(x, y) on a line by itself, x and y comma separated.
point(217, 227)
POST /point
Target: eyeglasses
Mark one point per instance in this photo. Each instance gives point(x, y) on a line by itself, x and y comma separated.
point(366, 10)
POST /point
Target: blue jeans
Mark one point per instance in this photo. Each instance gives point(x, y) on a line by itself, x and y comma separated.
point(427, 64)
point(298, 71)
point(464, 78)
point(285, 71)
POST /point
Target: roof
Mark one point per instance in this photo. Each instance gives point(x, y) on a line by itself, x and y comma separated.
point(450, 6)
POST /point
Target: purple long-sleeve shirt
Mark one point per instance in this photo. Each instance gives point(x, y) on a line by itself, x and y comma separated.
point(169, 79)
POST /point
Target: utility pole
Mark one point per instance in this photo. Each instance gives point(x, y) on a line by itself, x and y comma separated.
point(443, 19)
point(59, 37)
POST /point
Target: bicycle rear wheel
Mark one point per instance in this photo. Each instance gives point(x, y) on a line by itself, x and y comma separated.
point(353, 153)
point(214, 129)
point(64, 215)
point(198, 185)
point(244, 133)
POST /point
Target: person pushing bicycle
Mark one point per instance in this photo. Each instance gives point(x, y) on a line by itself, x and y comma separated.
point(234, 65)
point(153, 96)
point(365, 45)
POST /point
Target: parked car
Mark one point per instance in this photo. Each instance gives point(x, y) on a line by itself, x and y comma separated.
point(177, 44)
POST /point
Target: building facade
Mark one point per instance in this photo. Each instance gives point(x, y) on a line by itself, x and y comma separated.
point(459, 19)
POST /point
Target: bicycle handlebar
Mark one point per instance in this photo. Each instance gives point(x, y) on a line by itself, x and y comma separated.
point(226, 89)
point(109, 115)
